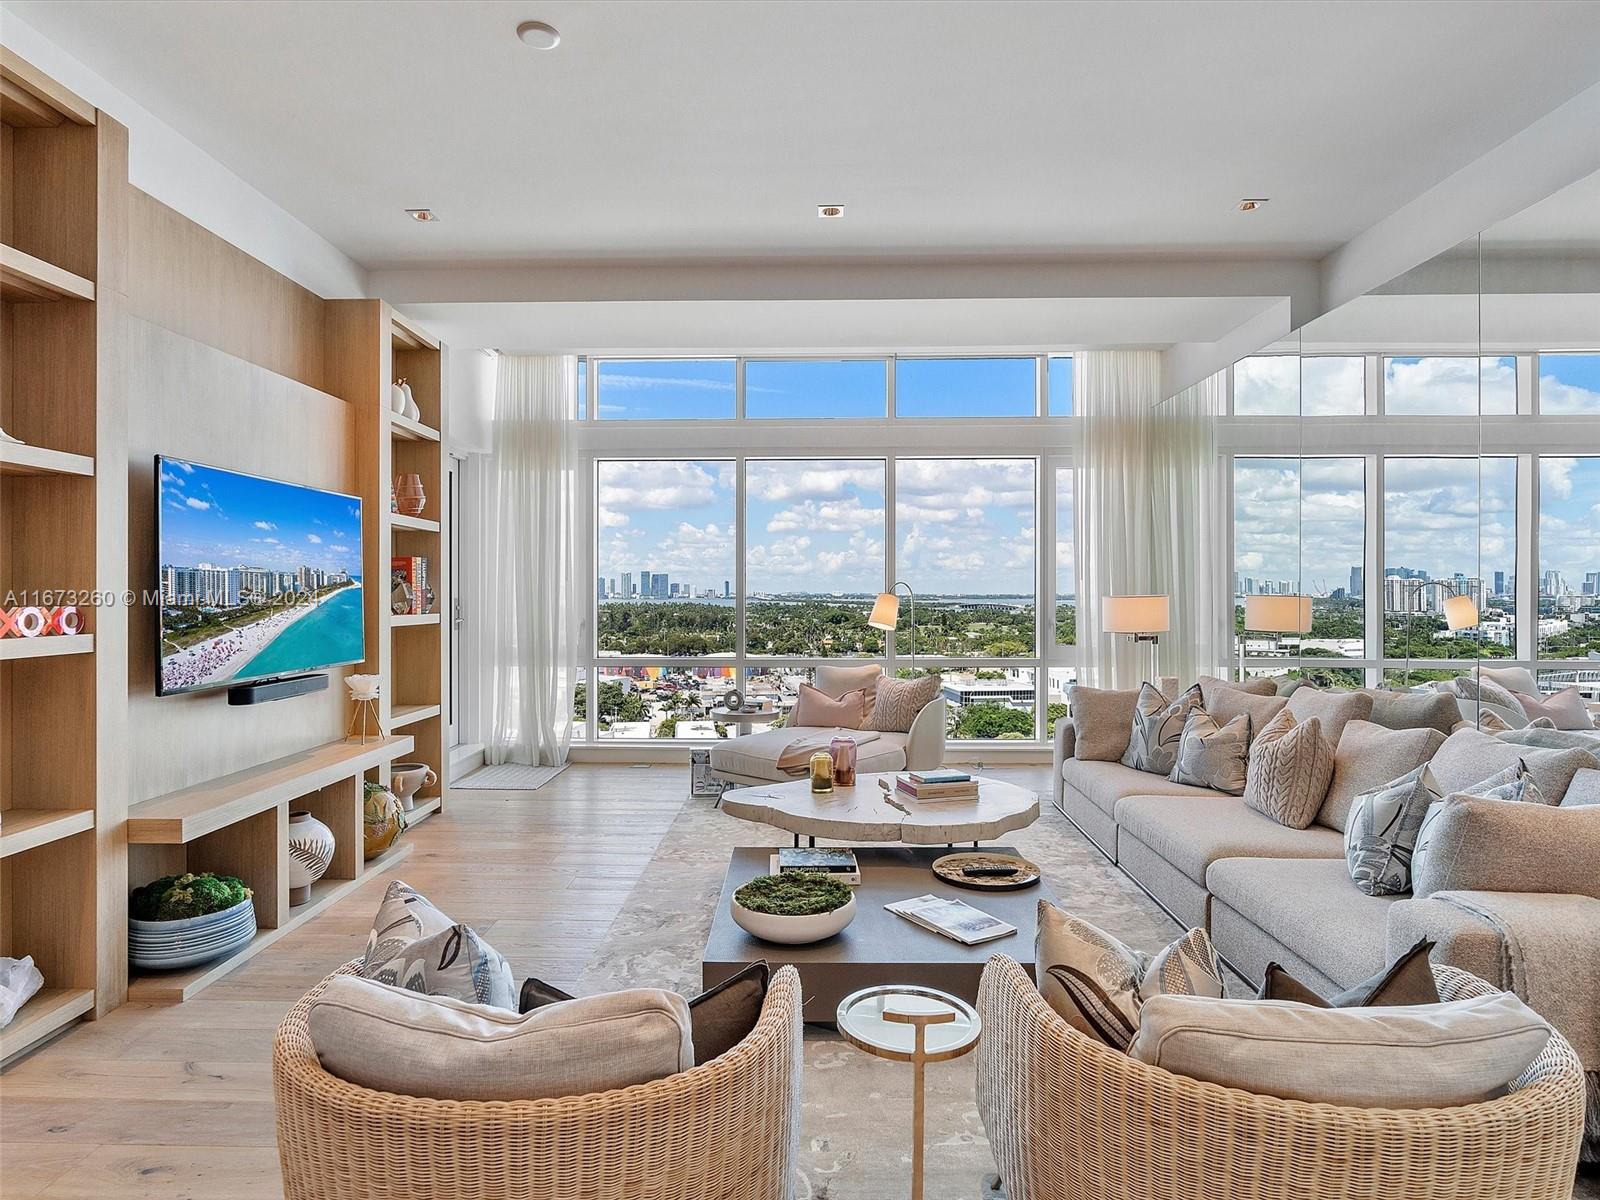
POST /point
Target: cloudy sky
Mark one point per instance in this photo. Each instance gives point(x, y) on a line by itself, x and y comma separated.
point(1569, 517)
point(230, 520)
point(1274, 498)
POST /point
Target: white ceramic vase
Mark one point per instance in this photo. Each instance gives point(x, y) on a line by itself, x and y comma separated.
point(407, 779)
point(412, 409)
point(792, 931)
point(311, 845)
point(397, 398)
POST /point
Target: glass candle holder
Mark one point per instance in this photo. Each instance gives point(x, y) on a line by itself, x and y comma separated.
point(822, 772)
point(843, 752)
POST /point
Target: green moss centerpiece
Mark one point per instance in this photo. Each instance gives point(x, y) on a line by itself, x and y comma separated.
point(185, 920)
point(793, 909)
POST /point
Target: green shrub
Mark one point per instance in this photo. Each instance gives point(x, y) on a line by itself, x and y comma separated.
point(797, 894)
point(175, 897)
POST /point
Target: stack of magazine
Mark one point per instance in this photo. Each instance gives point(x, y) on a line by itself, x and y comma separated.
point(957, 921)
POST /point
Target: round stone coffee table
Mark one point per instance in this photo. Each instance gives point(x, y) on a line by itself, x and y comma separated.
point(865, 813)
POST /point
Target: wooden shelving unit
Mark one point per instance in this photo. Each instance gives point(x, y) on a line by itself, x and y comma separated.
point(64, 198)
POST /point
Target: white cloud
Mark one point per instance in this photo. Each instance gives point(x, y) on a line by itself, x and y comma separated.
point(1454, 385)
point(265, 525)
point(201, 505)
point(1288, 385)
point(659, 485)
point(313, 539)
point(832, 516)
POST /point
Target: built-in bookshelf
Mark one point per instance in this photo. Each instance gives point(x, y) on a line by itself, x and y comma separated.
point(63, 540)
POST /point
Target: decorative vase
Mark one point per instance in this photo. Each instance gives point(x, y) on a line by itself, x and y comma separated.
point(168, 945)
point(397, 397)
point(409, 494)
point(407, 779)
point(382, 821)
point(843, 751)
point(412, 409)
point(822, 772)
point(310, 854)
point(792, 931)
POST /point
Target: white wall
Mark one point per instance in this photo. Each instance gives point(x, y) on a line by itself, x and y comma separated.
point(471, 392)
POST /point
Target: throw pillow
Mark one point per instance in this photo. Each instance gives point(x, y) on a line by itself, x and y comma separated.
point(1584, 789)
point(1485, 691)
point(405, 915)
point(835, 681)
point(1414, 710)
point(1334, 709)
point(1291, 765)
point(454, 962)
point(1367, 757)
point(1224, 702)
point(1423, 1056)
point(1156, 727)
point(900, 700)
point(1407, 980)
point(1484, 845)
point(815, 708)
point(1566, 709)
point(1513, 785)
point(1098, 985)
point(1513, 679)
point(393, 1040)
point(1210, 757)
point(1541, 736)
point(1383, 830)
point(1469, 756)
point(1102, 719)
point(1260, 685)
point(1490, 722)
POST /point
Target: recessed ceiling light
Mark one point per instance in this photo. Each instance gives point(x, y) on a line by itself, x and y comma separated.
point(421, 214)
point(830, 211)
point(539, 35)
point(1252, 203)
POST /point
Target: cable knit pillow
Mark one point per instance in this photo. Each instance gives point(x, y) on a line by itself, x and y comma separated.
point(1291, 764)
point(1566, 709)
point(900, 700)
point(817, 709)
point(1157, 728)
point(1213, 757)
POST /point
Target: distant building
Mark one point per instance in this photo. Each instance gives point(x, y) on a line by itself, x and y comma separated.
point(627, 585)
point(727, 589)
point(1357, 587)
point(1499, 583)
point(659, 585)
point(600, 588)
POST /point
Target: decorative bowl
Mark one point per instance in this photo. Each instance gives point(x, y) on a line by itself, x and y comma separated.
point(168, 945)
point(792, 931)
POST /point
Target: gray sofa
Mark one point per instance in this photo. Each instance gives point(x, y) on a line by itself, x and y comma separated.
point(1268, 893)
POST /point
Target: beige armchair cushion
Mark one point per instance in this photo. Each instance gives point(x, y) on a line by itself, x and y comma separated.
point(835, 681)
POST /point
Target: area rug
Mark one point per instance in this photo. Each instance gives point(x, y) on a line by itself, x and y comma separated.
point(856, 1118)
point(509, 777)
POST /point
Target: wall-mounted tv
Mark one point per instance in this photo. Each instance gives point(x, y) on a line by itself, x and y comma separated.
point(259, 579)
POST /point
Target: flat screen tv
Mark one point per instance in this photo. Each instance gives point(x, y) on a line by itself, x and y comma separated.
point(259, 579)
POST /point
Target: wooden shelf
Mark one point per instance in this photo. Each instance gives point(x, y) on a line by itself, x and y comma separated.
point(174, 987)
point(407, 336)
point(47, 1011)
point(408, 430)
point(24, 828)
point(19, 458)
point(404, 620)
point(30, 99)
point(12, 649)
point(416, 524)
point(402, 715)
point(24, 277)
point(422, 810)
point(182, 816)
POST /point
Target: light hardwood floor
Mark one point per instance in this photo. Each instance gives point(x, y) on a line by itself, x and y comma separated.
point(176, 1102)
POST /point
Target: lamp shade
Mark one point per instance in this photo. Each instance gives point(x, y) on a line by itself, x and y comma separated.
point(1460, 612)
point(1278, 614)
point(1136, 614)
point(886, 612)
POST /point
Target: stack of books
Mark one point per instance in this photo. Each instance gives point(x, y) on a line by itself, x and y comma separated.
point(839, 863)
point(412, 570)
point(943, 784)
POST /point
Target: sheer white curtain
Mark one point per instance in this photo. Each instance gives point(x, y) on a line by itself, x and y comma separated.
point(525, 541)
point(1188, 527)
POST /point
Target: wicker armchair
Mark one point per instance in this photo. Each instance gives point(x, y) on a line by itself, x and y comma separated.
point(728, 1129)
point(1070, 1119)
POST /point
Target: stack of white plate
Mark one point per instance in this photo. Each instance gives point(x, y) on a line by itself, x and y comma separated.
point(168, 945)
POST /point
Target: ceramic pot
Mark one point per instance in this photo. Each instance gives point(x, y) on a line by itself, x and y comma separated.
point(407, 779)
point(412, 409)
point(397, 397)
point(310, 854)
point(168, 945)
point(792, 931)
point(410, 496)
point(382, 821)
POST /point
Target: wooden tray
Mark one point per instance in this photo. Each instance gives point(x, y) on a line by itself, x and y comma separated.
point(949, 869)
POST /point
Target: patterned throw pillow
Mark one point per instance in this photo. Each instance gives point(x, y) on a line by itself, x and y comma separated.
point(1210, 757)
point(404, 916)
point(1485, 691)
point(900, 700)
point(1291, 765)
point(1513, 785)
point(1382, 832)
point(456, 963)
point(1157, 728)
point(1098, 985)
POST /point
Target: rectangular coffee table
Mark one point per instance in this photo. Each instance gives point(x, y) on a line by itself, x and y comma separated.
point(877, 947)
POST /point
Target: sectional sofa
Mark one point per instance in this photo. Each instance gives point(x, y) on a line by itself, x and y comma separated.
point(1268, 893)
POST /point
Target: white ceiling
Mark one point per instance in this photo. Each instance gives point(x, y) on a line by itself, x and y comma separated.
point(712, 130)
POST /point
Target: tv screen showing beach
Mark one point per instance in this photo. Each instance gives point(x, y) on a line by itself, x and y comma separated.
point(258, 578)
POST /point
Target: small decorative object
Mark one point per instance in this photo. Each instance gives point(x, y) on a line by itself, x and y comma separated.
point(410, 495)
point(382, 820)
point(821, 772)
point(19, 980)
point(793, 909)
point(399, 594)
point(186, 920)
point(733, 699)
point(64, 621)
point(412, 409)
point(364, 691)
point(843, 752)
point(27, 622)
point(703, 782)
point(407, 779)
point(413, 568)
point(310, 854)
point(397, 397)
point(986, 872)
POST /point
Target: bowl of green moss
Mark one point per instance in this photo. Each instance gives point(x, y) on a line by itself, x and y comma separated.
point(793, 909)
point(189, 919)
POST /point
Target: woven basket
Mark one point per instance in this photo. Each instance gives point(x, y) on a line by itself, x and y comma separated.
point(727, 1129)
point(1071, 1119)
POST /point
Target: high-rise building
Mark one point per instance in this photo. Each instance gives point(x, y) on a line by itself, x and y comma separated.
point(600, 588)
point(1394, 593)
point(627, 585)
point(727, 589)
point(1591, 583)
point(645, 580)
point(1551, 585)
point(1356, 581)
point(1499, 583)
point(658, 585)
point(673, 590)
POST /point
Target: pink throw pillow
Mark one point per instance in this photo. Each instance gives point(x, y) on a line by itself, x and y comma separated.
point(817, 709)
point(1566, 708)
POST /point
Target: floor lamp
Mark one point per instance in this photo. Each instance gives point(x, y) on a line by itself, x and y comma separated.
point(1274, 615)
point(1143, 618)
point(1460, 609)
point(886, 614)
